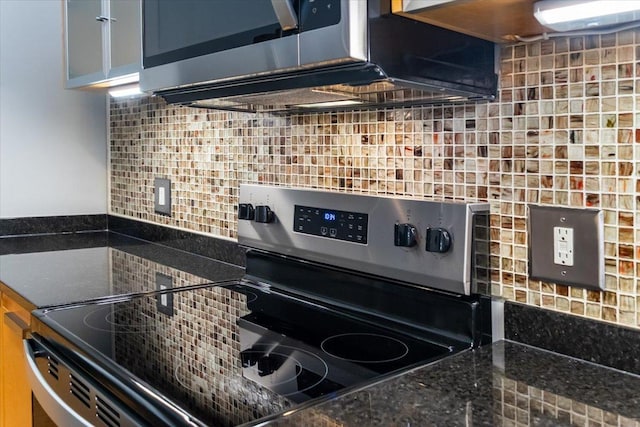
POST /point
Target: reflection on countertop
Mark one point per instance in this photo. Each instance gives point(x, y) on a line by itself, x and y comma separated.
point(69, 268)
point(502, 384)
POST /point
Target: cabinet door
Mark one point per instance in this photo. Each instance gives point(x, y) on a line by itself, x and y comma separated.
point(84, 37)
point(125, 37)
point(16, 393)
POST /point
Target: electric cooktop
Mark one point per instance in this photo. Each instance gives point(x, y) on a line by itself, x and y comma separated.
point(231, 354)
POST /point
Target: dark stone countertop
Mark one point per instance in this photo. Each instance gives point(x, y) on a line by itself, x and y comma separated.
point(502, 384)
point(59, 269)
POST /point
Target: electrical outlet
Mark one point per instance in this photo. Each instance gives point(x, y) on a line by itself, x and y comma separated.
point(162, 196)
point(566, 246)
point(563, 246)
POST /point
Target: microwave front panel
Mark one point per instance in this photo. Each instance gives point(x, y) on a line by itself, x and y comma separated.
point(344, 41)
point(196, 42)
point(245, 61)
point(178, 30)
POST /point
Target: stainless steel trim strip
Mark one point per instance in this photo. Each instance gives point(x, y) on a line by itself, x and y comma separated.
point(344, 41)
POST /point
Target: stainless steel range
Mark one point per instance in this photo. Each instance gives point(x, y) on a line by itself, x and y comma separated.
point(340, 290)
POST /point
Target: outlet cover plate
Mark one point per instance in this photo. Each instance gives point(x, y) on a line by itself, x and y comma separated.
point(164, 300)
point(162, 196)
point(587, 270)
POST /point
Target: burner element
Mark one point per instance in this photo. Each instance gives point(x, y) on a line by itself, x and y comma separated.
point(364, 348)
point(284, 369)
point(108, 318)
point(251, 297)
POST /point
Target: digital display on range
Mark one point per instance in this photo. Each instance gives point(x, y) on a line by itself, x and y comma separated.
point(329, 216)
point(330, 223)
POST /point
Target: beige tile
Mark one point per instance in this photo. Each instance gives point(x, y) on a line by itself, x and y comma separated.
point(563, 132)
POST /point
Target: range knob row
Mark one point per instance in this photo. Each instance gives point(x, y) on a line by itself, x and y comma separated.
point(437, 239)
point(405, 235)
point(261, 213)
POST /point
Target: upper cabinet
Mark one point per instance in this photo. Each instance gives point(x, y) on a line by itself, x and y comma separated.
point(496, 20)
point(103, 41)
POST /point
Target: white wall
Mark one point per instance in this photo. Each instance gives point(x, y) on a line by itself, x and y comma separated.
point(53, 142)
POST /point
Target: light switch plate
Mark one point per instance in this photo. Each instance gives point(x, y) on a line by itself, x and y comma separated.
point(546, 225)
point(162, 196)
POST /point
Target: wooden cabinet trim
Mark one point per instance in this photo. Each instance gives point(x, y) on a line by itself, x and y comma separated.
point(16, 324)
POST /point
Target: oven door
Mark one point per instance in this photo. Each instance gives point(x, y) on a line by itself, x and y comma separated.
point(72, 391)
point(68, 397)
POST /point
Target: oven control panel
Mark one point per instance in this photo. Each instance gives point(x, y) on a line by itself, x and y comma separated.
point(423, 242)
point(330, 223)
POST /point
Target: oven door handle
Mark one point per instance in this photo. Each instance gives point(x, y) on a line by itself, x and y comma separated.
point(59, 412)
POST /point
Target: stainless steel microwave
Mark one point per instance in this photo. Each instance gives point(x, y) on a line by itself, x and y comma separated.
point(242, 53)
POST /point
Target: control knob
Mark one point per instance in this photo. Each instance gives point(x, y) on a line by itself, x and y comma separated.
point(405, 235)
point(246, 211)
point(264, 214)
point(438, 240)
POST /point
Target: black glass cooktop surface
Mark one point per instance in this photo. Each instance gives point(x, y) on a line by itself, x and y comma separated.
point(236, 353)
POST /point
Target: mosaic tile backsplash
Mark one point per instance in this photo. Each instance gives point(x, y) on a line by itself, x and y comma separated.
point(565, 132)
